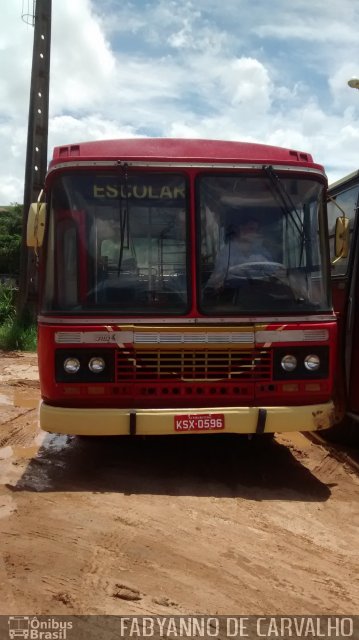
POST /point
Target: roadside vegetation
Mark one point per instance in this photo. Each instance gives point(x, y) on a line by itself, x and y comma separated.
point(15, 333)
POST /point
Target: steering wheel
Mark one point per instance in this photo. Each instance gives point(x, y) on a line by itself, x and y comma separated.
point(259, 269)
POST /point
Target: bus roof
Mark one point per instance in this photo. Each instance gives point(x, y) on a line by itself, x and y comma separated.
point(344, 182)
point(182, 150)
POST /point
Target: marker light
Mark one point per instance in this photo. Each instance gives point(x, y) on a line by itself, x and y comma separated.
point(312, 362)
point(71, 365)
point(97, 365)
point(288, 363)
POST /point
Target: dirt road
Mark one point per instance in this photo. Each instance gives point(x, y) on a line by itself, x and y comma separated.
point(189, 524)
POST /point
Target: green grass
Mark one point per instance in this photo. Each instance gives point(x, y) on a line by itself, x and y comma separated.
point(15, 334)
point(7, 303)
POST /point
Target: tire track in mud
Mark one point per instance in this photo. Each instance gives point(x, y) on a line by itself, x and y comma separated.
point(108, 552)
point(120, 560)
point(343, 456)
point(175, 528)
point(19, 430)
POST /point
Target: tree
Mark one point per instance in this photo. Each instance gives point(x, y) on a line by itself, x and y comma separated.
point(10, 239)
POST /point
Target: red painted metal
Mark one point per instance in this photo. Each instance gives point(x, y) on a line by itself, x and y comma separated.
point(156, 391)
point(180, 150)
point(131, 391)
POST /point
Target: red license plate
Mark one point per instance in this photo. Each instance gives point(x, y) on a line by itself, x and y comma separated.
point(199, 422)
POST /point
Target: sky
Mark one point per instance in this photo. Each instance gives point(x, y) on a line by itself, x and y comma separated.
point(268, 71)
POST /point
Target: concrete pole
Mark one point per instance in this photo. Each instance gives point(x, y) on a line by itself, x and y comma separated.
point(36, 149)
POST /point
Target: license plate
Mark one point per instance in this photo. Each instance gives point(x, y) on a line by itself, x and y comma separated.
point(199, 422)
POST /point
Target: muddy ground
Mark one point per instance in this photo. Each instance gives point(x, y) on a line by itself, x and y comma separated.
point(179, 525)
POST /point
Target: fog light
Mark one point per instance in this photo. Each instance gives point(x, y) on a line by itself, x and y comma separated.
point(71, 365)
point(288, 363)
point(97, 365)
point(312, 362)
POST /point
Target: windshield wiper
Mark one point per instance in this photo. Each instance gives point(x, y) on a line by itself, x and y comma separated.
point(124, 217)
point(287, 203)
point(285, 198)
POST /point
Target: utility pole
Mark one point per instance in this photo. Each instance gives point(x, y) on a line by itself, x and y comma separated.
point(38, 14)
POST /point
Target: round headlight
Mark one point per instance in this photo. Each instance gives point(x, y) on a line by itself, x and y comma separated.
point(97, 365)
point(312, 362)
point(288, 363)
point(71, 365)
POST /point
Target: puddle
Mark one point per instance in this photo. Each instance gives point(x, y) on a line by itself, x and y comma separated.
point(17, 451)
point(55, 443)
point(34, 480)
point(42, 445)
point(25, 452)
point(26, 468)
point(5, 399)
point(6, 453)
point(39, 440)
point(18, 397)
point(26, 398)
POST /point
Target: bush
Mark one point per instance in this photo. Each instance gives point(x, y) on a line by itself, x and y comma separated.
point(15, 334)
point(10, 239)
point(7, 303)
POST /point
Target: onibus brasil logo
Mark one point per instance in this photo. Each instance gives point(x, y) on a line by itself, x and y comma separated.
point(30, 627)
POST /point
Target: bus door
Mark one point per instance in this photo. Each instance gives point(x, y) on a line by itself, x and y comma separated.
point(352, 330)
point(345, 285)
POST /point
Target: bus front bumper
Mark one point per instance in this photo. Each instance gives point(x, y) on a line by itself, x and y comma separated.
point(146, 422)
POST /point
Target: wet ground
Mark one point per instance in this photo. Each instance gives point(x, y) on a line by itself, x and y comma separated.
point(188, 524)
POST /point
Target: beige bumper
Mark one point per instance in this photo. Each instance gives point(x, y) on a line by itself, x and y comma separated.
point(143, 422)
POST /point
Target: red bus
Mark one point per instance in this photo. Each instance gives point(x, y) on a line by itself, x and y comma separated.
point(184, 288)
point(343, 199)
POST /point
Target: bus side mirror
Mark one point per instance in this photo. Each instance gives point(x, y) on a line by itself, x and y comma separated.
point(36, 225)
point(342, 237)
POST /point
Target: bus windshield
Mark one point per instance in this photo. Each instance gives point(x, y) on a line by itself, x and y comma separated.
point(118, 242)
point(261, 244)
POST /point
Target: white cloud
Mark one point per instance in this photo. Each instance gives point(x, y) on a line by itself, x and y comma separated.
point(15, 63)
point(92, 127)
point(82, 63)
point(274, 73)
point(246, 82)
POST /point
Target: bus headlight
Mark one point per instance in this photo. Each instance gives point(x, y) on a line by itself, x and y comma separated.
point(312, 362)
point(288, 363)
point(97, 365)
point(71, 365)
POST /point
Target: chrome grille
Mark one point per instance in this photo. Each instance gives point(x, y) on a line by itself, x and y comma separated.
point(164, 365)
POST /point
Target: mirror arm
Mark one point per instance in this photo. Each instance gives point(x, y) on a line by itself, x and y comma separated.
point(333, 262)
point(337, 205)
